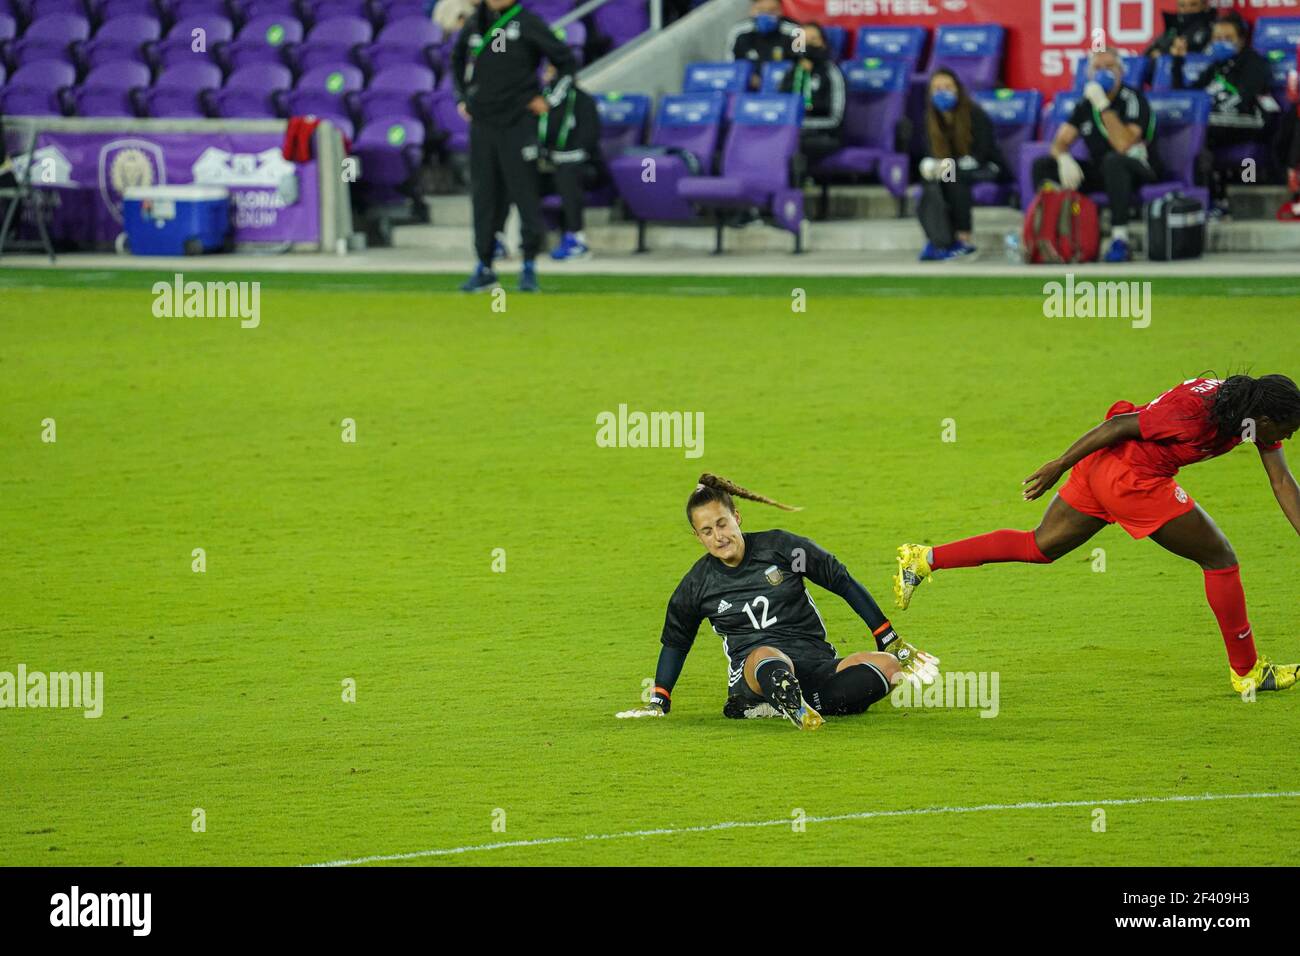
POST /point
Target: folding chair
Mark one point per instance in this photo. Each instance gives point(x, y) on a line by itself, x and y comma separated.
point(22, 195)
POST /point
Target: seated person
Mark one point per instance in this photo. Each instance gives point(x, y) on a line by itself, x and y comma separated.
point(961, 149)
point(570, 161)
point(1191, 24)
point(762, 37)
point(1239, 80)
point(1115, 123)
point(817, 77)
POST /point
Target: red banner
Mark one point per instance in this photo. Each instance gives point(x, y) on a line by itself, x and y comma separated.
point(1044, 37)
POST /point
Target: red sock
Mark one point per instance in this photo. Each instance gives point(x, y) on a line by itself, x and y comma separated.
point(1228, 601)
point(991, 548)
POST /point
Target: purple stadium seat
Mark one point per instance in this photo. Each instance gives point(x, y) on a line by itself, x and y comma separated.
point(891, 43)
point(972, 51)
point(622, 20)
point(330, 41)
point(686, 123)
point(837, 39)
point(178, 93)
point(1163, 80)
point(394, 91)
point(386, 11)
point(8, 27)
point(108, 89)
point(1015, 119)
point(110, 9)
point(322, 91)
point(390, 149)
point(575, 38)
point(756, 164)
point(122, 38)
point(1277, 39)
point(451, 128)
point(875, 90)
point(277, 8)
point(1055, 114)
point(250, 92)
point(260, 40)
point(1181, 121)
point(410, 40)
point(774, 74)
point(178, 46)
point(731, 77)
point(185, 9)
point(551, 10)
point(34, 89)
point(49, 38)
point(40, 9)
point(317, 11)
point(622, 121)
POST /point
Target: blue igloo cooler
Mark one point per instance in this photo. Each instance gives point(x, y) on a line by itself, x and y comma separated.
point(176, 220)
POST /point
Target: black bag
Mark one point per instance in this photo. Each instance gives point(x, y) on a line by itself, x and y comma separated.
point(1175, 228)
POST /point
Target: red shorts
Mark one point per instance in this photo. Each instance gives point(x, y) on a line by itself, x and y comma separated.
point(1105, 486)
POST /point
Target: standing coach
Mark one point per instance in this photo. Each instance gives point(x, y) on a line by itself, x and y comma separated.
point(495, 67)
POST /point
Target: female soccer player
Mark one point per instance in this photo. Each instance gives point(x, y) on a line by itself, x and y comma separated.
point(1123, 472)
point(751, 588)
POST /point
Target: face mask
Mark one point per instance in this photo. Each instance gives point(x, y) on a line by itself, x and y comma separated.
point(1105, 79)
point(945, 101)
point(1221, 50)
point(815, 52)
point(766, 23)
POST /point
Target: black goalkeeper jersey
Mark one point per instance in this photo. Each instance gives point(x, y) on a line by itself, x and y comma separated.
point(764, 600)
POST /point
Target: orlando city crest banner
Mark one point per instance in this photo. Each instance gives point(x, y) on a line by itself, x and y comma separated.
point(89, 173)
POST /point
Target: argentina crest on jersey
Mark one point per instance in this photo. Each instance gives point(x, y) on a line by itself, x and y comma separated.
point(774, 575)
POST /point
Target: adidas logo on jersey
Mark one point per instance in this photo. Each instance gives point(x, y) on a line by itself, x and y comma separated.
point(723, 605)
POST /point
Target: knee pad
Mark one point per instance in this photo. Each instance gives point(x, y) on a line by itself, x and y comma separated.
point(852, 690)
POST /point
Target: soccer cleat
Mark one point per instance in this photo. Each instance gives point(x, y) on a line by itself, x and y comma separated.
point(528, 278)
point(570, 247)
point(1265, 675)
point(736, 708)
point(788, 700)
point(483, 278)
point(912, 570)
point(1118, 251)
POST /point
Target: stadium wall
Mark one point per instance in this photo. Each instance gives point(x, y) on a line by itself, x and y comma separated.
point(655, 64)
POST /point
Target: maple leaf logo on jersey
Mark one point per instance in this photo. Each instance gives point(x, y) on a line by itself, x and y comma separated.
point(723, 605)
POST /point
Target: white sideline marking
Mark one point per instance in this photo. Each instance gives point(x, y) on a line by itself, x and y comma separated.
point(862, 815)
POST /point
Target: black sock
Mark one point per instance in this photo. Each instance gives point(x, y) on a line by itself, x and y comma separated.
point(765, 673)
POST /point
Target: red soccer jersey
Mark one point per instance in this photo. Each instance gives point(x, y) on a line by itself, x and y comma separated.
point(1176, 430)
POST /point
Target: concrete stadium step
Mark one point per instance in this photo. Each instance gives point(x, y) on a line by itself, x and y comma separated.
point(864, 236)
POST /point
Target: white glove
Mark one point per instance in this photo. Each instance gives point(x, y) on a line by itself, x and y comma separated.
point(1069, 170)
point(1096, 95)
point(931, 168)
point(649, 710)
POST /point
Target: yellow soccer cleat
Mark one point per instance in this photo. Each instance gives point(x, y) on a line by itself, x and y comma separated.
point(1265, 675)
point(912, 570)
point(787, 699)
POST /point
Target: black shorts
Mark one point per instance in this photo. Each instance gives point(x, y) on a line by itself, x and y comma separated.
point(813, 676)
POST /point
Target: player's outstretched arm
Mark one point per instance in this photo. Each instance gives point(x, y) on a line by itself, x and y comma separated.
point(1284, 485)
point(1112, 430)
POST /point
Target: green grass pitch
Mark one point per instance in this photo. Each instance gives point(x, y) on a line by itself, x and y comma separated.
point(479, 691)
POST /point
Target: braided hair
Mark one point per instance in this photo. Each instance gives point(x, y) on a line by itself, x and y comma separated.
point(714, 488)
point(1241, 397)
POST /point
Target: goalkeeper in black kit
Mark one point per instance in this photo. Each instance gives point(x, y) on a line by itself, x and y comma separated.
point(751, 589)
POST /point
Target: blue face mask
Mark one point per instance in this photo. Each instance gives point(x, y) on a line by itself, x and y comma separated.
point(945, 101)
point(1221, 50)
point(1105, 79)
point(766, 23)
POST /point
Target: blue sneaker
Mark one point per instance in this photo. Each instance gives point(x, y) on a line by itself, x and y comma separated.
point(528, 278)
point(963, 250)
point(932, 253)
point(570, 247)
point(1118, 251)
point(482, 278)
